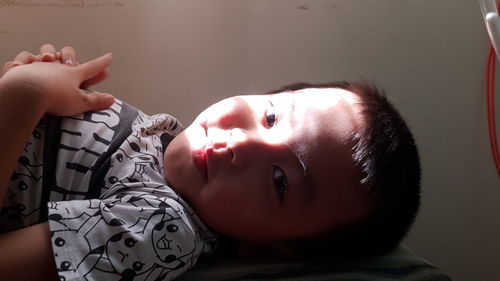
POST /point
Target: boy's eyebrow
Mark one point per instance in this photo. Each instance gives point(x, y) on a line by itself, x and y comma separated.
point(307, 188)
point(299, 153)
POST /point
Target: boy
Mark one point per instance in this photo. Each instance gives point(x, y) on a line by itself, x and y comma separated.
point(306, 168)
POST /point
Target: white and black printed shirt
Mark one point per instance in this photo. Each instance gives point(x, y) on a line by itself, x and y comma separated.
point(98, 179)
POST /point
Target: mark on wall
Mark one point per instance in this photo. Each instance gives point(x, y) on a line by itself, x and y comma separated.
point(62, 3)
point(332, 5)
point(311, 5)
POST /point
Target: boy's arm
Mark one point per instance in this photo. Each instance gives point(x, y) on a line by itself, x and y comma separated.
point(26, 254)
point(27, 92)
point(20, 110)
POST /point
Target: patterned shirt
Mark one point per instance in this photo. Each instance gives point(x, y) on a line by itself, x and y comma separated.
point(98, 179)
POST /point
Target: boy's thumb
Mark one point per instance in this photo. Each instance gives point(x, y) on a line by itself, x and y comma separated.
point(95, 66)
point(98, 101)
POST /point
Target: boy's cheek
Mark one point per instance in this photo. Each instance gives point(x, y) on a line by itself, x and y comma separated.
point(175, 161)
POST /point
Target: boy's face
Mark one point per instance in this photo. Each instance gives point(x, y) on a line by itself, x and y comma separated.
point(272, 167)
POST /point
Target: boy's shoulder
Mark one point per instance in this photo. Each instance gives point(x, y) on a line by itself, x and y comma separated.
point(109, 128)
point(109, 146)
point(156, 124)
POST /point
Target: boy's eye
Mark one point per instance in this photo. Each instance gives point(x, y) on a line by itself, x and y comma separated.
point(270, 115)
point(280, 182)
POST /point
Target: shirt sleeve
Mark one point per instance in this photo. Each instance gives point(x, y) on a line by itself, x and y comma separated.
point(126, 236)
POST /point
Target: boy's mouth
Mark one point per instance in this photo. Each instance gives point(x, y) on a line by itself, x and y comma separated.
point(199, 156)
point(200, 161)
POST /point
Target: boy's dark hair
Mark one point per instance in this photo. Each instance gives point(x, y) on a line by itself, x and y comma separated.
point(387, 155)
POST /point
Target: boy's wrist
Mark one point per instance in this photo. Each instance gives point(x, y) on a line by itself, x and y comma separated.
point(24, 90)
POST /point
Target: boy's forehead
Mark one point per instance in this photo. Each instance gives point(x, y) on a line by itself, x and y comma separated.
point(326, 120)
point(322, 123)
point(322, 97)
point(311, 114)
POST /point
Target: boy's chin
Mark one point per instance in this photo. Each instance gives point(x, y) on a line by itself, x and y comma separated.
point(176, 162)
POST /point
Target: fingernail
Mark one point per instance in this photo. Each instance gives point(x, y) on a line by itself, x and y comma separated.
point(69, 62)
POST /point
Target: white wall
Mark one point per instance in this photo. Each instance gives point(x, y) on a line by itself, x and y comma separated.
point(179, 56)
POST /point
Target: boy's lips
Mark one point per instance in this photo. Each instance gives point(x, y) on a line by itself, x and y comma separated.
point(199, 155)
point(200, 161)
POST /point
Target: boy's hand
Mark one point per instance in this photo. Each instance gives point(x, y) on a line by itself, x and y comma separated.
point(31, 88)
point(48, 53)
point(57, 87)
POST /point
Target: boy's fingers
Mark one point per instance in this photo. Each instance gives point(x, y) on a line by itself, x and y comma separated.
point(98, 101)
point(47, 52)
point(95, 80)
point(25, 57)
point(8, 65)
point(47, 48)
point(68, 56)
point(94, 67)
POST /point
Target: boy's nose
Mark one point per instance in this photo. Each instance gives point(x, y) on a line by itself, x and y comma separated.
point(217, 138)
point(244, 145)
point(235, 137)
point(236, 115)
point(236, 145)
